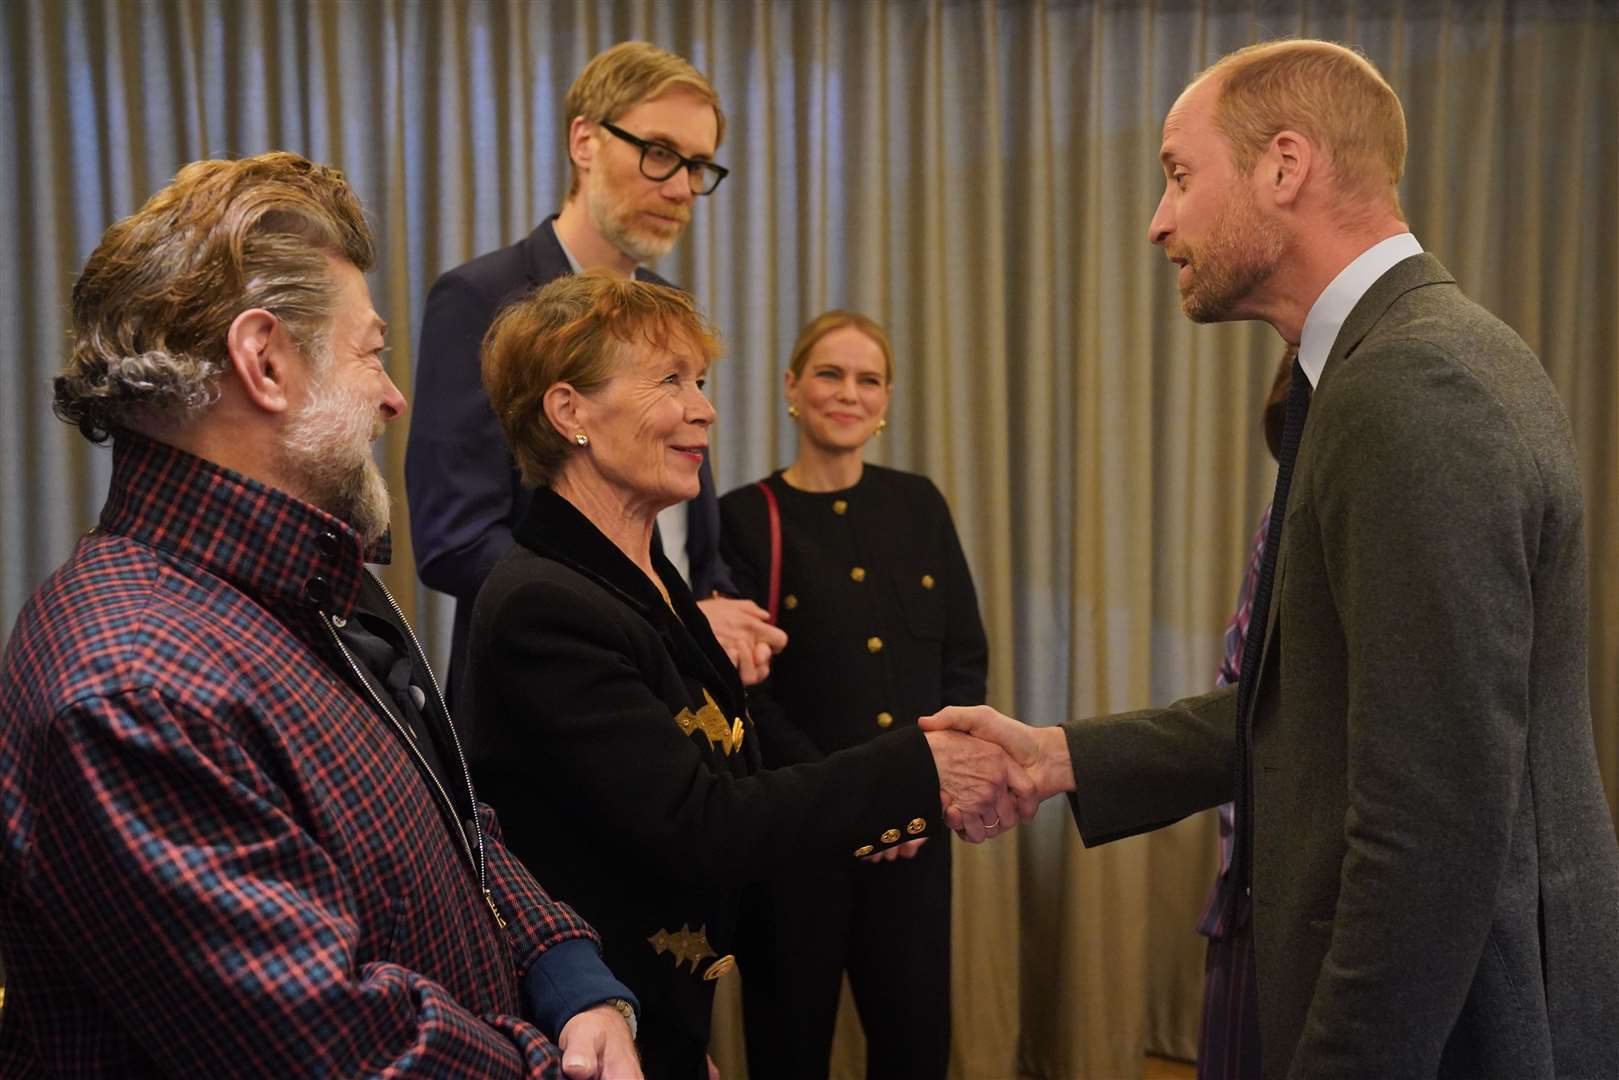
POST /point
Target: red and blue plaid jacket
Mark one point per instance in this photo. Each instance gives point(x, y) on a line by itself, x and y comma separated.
point(218, 859)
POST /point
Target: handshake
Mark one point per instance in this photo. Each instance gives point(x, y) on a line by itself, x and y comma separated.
point(994, 772)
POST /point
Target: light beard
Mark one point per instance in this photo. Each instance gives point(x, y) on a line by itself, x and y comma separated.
point(326, 452)
point(614, 219)
point(1242, 251)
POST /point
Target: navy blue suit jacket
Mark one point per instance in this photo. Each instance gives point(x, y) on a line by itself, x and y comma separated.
point(463, 485)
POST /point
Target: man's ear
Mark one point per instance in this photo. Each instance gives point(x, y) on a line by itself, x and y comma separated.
point(261, 359)
point(1286, 165)
point(582, 143)
point(566, 409)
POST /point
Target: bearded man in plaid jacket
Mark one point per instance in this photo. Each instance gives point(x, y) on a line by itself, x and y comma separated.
point(238, 835)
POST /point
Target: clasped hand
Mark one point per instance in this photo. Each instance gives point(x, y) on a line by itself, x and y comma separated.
point(994, 772)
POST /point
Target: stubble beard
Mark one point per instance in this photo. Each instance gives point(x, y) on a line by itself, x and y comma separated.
point(1241, 253)
point(326, 451)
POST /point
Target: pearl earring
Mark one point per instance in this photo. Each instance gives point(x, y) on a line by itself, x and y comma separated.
point(881, 424)
point(792, 411)
point(582, 439)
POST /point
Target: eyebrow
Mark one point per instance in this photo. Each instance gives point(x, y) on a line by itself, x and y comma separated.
point(674, 144)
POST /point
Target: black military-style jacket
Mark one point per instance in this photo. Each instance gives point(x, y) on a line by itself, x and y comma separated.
point(878, 604)
point(610, 733)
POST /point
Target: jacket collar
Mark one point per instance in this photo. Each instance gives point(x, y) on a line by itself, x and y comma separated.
point(290, 556)
point(1416, 272)
point(556, 529)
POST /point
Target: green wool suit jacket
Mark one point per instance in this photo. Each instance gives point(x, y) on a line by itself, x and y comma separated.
point(1435, 876)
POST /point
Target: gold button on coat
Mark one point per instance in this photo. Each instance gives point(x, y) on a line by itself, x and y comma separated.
point(874, 644)
point(927, 581)
point(858, 573)
point(890, 835)
point(720, 968)
point(916, 827)
point(885, 719)
point(863, 850)
point(840, 506)
point(790, 601)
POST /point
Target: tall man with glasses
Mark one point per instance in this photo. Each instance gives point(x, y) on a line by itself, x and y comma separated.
point(643, 126)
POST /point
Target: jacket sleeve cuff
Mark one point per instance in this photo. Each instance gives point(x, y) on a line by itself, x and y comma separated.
point(565, 980)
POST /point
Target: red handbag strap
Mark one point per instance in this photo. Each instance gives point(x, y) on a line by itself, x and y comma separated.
point(774, 513)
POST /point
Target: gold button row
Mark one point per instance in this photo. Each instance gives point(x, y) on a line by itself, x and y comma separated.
point(914, 827)
point(874, 645)
point(858, 573)
point(927, 581)
point(885, 719)
point(789, 601)
point(840, 506)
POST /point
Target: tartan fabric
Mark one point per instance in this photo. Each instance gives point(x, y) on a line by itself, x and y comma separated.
point(217, 859)
point(1228, 1042)
point(1213, 923)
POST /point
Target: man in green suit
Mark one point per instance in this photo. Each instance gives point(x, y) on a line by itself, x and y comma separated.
point(1434, 879)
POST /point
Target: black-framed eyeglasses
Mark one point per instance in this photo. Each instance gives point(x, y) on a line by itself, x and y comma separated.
point(660, 162)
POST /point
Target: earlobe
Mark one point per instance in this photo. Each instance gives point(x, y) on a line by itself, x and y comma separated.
point(258, 360)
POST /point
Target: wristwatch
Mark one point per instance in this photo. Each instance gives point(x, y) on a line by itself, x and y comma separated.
point(626, 1010)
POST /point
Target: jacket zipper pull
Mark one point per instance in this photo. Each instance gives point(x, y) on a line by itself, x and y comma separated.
point(490, 900)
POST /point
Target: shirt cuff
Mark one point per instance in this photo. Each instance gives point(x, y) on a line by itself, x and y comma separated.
point(565, 980)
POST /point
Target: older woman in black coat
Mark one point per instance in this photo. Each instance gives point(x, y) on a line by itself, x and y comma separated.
point(605, 722)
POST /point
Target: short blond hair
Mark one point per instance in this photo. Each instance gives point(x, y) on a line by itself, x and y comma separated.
point(1323, 90)
point(836, 319)
point(620, 78)
point(575, 331)
point(156, 299)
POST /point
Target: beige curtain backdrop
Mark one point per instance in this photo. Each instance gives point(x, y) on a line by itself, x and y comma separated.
point(977, 175)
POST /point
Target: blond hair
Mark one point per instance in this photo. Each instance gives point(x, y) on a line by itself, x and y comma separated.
point(155, 301)
point(575, 331)
point(620, 78)
point(836, 319)
point(1325, 91)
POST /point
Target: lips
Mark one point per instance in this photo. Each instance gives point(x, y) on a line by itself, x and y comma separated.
point(667, 221)
point(695, 450)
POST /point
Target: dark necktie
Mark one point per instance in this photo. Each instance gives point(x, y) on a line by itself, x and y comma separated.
point(1298, 404)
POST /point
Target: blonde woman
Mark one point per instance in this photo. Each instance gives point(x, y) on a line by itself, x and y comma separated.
point(862, 567)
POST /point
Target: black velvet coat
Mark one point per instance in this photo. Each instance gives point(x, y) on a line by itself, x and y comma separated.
point(611, 735)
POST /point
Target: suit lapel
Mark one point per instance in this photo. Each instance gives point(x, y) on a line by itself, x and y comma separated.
point(1415, 272)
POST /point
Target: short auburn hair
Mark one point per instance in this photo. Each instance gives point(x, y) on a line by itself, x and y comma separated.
point(576, 330)
point(620, 78)
point(836, 319)
point(156, 299)
point(1323, 90)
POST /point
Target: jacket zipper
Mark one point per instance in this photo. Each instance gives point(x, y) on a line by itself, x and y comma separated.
point(460, 757)
point(474, 861)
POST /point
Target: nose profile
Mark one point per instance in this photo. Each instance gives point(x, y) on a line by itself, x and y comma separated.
point(1163, 220)
point(393, 402)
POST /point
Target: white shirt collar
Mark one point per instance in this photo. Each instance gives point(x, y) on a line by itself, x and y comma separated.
point(1338, 299)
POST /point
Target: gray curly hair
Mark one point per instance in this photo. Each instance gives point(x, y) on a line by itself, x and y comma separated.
point(156, 299)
